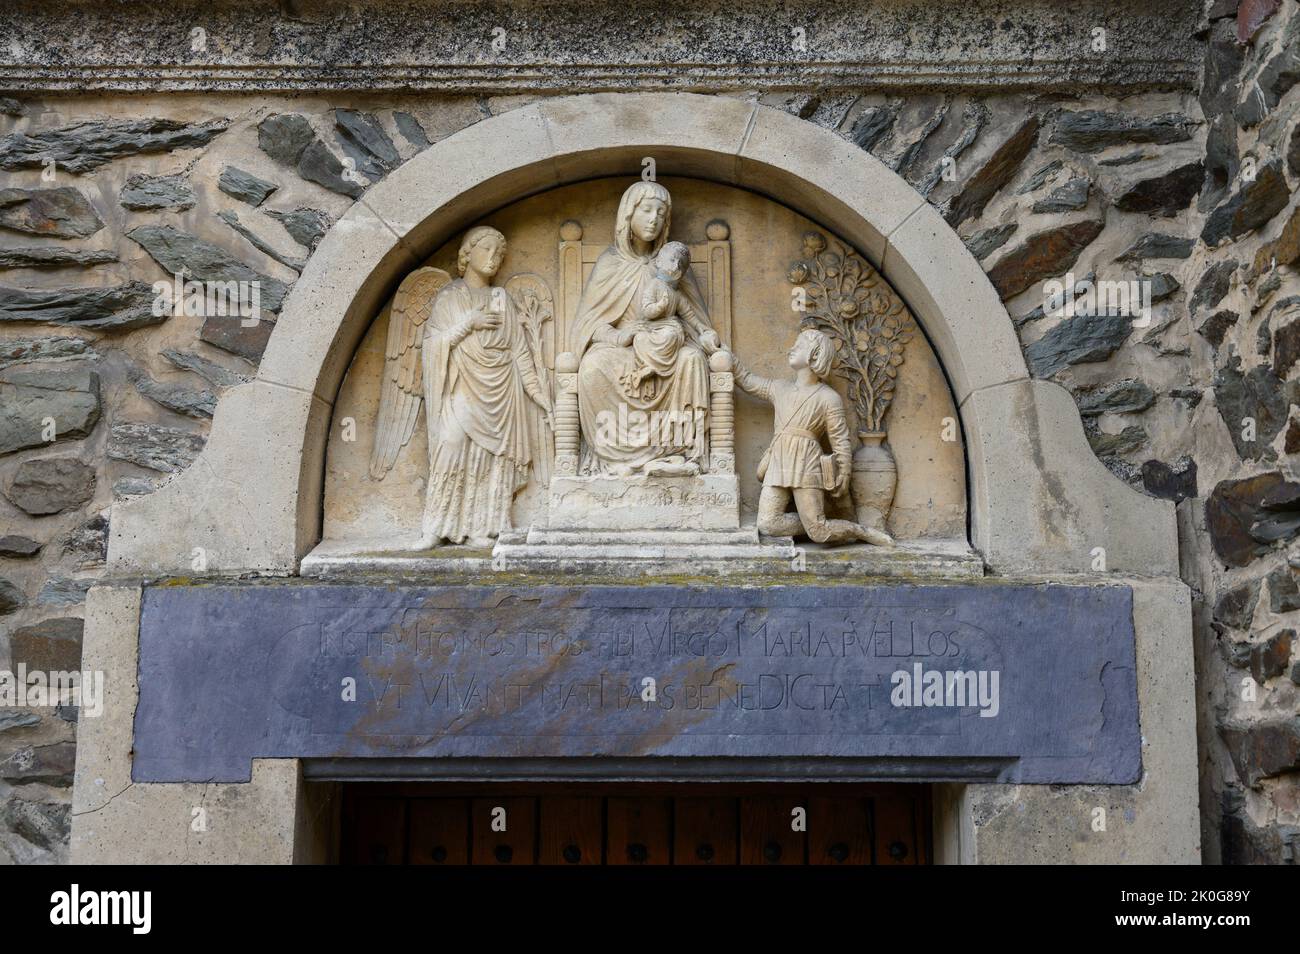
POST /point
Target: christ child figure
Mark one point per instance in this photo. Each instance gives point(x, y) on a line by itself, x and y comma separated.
point(659, 332)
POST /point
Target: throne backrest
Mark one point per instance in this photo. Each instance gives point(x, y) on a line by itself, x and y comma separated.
point(710, 264)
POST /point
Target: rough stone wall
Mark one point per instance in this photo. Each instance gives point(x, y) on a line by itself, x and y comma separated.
point(1194, 194)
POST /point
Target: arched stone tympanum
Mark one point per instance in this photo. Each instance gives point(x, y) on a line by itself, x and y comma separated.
point(1040, 500)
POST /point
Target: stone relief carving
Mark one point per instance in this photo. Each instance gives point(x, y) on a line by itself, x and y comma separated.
point(471, 352)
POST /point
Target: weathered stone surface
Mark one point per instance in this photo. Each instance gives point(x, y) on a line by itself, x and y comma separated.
point(253, 239)
point(10, 719)
point(1157, 245)
point(1258, 394)
point(995, 173)
point(1069, 197)
point(11, 597)
point(318, 164)
point(410, 129)
point(1092, 130)
point(47, 256)
point(1076, 720)
point(144, 193)
point(366, 142)
point(230, 334)
point(51, 764)
point(1283, 593)
point(1247, 517)
point(62, 212)
point(1176, 482)
point(1235, 609)
point(52, 645)
point(1293, 152)
point(1166, 194)
point(987, 241)
point(1163, 285)
point(872, 126)
point(133, 486)
point(64, 591)
point(11, 107)
point(1077, 340)
point(118, 308)
point(183, 254)
point(305, 226)
point(51, 348)
point(284, 137)
point(84, 147)
point(1253, 204)
point(1213, 285)
point(182, 400)
point(1127, 441)
point(1263, 750)
point(45, 824)
point(1285, 250)
point(1040, 177)
point(1043, 255)
point(51, 485)
point(17, 548)
point(166, 449)
point(1215, 328)
point(1291, 443)
point(1125, 396)
point(28, 399)
point(1275, 79)
point(88, 541)
point(1286, 348)
point(244, 186)
point(210, 371)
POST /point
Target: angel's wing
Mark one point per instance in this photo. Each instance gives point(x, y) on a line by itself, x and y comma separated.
point(536, 306)
point(402, 389)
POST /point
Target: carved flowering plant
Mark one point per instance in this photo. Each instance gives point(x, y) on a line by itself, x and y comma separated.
point(845, 297)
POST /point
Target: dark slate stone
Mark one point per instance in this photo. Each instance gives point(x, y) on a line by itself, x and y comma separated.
point(1127, 158)
point(45, 824)
point(133, 486)
point(1222, 161)
point(1263, 750)
point(45, 348)
point(1284, 250)
point(366, 142)
point(1252, 205)
point(1041, 256)
point(11, 597)
point(1192, 396)
point(1078, 340)
point(1213, 285)
point(253, 239)
point(54, 256)
point(228, 673)
point(1286, 348)
point(1163, 285)
point(872, 125)
point(17, 720)
point(18, 548)
point(88, 541)
point(51, 764)
point(244, 186)
point(1120, 397)
point(1131, 439)
point(183, 254)
point(52, 645)
point(62, 591)
point(1165, 194)
point(231, 334)
point(210, 371)
point(1077, 291)
point(165, 449)
point(151, 193)
point(957, 138)
point(1283, 593)
point(11, 107)
point(57, 213)
point(1215, 328)
point(84, 147)
point(29, 398)
point(1156, 245)
point(1293, 152)
point(118, 308)
point(411, 130)
point(1066, 198)
point(996, 172)
point(191, 403)
point(1247, 517)
point(284, 137)
point(1040, 177)
point(987, 241)
point(305, 226)
point(1223, 60)
point(321, 166)
point(1176, 483)
point(1093, 130)
point(1291, 442)
point(1277, 77)
point(1235, 609)
point(1258, 394)
point(51, 485)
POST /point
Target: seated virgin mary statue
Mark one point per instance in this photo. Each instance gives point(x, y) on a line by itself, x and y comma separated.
point(639, 419)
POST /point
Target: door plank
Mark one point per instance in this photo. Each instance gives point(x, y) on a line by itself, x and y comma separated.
point(517, 845)
point(380, 831)
point(639, 831)
point(572, 831)
point(839, 830)
point(439, 831)
point(766, 835)
point(896, 829)
point(705, 830)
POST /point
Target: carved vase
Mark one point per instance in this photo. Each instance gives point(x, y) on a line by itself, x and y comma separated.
point(874, 478)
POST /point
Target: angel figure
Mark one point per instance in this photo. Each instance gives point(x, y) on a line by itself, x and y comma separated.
point(460, 347)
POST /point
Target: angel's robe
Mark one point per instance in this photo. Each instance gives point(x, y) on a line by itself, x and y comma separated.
point(611, 302)
point(476, 386)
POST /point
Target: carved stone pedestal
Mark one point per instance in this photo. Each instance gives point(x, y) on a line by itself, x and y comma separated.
point(632, 553)
point(703, 502)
